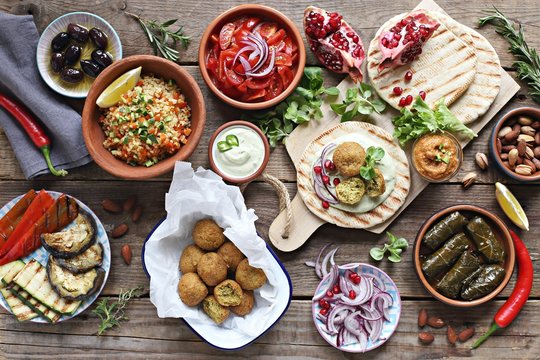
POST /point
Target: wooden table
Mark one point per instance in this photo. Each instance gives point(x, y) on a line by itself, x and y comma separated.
point(147, 336)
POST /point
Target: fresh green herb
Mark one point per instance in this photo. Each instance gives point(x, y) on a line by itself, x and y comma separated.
point(229, 142)
point(112, 313)
point(373, 156)
point(528, 61)
point(421, 119)
point(160, 36)
point(300, 107)
point(395, 246)
point(444, 156)
point(358, 100)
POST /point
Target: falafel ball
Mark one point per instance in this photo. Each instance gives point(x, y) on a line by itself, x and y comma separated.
point(231, 254)
point(213, 309)
point(208, 235)
point(191, 289)
point(245, 307)
point(348, 158)
point(249, 277)
point(350, 191)
point(212, 269)
point(228, 293)
point(190, 258)
point(376, 186)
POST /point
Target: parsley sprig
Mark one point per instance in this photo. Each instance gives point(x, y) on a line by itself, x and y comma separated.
point(373, 156)
point(394, 246)
point(358, 100)
point(112, 313)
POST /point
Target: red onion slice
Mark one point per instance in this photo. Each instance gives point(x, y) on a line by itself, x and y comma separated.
point(310, 263)
point(318, 270)
point(334, 273)
point(266, 71)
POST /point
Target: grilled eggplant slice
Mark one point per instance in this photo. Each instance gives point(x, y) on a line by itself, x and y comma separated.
point(72, 286)
point(73, 241)
point(91, 258)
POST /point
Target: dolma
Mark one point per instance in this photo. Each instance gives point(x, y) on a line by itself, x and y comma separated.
point(440, 232)
point(486, 281)
point(446, 256)
point(450, 285)
point(486, 243)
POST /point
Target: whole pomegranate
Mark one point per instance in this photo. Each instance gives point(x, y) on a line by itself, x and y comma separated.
point(334, 42)
point(403, 42)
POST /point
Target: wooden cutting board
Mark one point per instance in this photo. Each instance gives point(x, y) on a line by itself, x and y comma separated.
point(304, 223)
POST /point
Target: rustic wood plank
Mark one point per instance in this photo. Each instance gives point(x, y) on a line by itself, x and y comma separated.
point(293, 337)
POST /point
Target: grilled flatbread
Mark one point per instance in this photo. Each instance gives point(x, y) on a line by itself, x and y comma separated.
point(445, 69)
point(343, 218)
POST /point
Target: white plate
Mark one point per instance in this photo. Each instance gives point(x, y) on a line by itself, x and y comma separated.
point(42, 256)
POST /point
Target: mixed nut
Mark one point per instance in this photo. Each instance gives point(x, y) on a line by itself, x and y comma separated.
point(452, 335)
point(518, 145)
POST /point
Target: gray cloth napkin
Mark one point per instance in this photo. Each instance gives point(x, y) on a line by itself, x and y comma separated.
point(20, 80)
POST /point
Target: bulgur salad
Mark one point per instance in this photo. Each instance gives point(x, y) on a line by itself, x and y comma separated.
point(150, 122)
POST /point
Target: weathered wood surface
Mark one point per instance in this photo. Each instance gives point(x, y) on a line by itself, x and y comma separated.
point(147, 336)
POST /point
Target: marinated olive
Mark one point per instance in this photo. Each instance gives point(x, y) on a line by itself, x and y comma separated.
point(78, 32)
point(60, 41)
point(102, 58)
point(73, 53)
point(99, 38)
point(57, 61)
point(71, 75)
point(90, 68)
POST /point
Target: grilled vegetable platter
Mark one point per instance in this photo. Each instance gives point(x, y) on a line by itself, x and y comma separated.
point(54, 257)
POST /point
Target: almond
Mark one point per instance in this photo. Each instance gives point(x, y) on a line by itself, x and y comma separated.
point(504, 156)
point(425, 337)
point(537, 138)
point(536, 152)
point(525, 170)
point(451, 335)
point(481, 160)
point(512, 135)
point(126, 254)
point(530, 164)
point(136, 214)
point(521, 146)
point(119, 230)
point(422, 317)
point(111, 206)
point(466, 334)
point(536, 163)
point(435, 322)
point(508, 166)
point(525, 120)
point(505, 130)
point(528, 130)
point(130, 203)
point(513, 157)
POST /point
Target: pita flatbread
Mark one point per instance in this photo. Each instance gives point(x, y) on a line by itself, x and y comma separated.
point(445, 69)
point(346, 219)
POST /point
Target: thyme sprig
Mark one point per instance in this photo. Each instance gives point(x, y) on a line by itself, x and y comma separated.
point(112, 313)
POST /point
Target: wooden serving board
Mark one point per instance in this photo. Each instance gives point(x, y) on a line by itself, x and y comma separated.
point(304, 223)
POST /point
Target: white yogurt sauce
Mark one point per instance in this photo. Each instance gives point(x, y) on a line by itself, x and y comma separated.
point(243, 160)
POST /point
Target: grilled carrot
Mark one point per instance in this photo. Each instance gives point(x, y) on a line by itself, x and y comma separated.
point(14, 215)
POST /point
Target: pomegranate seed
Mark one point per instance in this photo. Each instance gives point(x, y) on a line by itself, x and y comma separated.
point(329, 165)
point(422, 95)
point(324, 304)
point(329, 294)
point(408, 76)
point(409, 99)
point(323, 311)
point(326, 179)
point(402, 102)
point(397, 37)
point(325, 204)
point(356, 279)
point(385, 42)
point(336, 181)
point(404, 22)
point(317, 169)
point(352, 294)
point(397, 90)
point(336, 289)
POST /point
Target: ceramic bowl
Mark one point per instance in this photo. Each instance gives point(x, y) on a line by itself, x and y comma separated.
point(264, 12)
point(93, 134)
point(501, 233)
point(394, 312)
point(212, 148)
point(43, 54)
point(534, 113)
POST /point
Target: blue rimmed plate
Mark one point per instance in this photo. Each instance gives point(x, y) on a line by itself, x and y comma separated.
point(42, 256)
point(227, 339)
point(382, 279)
point(43, 54)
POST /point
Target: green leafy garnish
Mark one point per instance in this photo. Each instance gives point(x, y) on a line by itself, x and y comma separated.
point(358, 101)
point(373, 156)
point(303, 105)
point(421, 119)
point(395, 246)
point(229, 142)
point(112, 313)
point(444, 156)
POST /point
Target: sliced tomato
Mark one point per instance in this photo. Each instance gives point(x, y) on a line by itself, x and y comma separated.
point(230, 91)
point(275, 88)
point(256, 83)
point(242, 87)
point(233, 78)
point(250, 23)
point(288, 45)
point(240, 21)
point(294, 57)
point(276, 37)
point(266, 29)
point(212, 65)
point(225, 59)
point(255, 94)
point(283, 59)
point(286, 75)
point(240, 35)
point(225, 35)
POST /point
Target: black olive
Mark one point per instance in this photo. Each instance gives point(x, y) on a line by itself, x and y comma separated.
point(71, 75)
point(102, 58)
point(78, 32)
point(90, 68)
point(99, 38)
point(73, 53)
point(60, 41)
point(57, 61)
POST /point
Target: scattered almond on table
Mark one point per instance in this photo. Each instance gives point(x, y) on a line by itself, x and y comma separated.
point(436, 322)
point(126, 254)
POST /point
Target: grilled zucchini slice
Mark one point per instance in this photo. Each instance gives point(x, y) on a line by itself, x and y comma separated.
point(74, 286)
point(43, 311)
point(91, 258)
point(9, 271)
point(73, 241)
point(18, 308)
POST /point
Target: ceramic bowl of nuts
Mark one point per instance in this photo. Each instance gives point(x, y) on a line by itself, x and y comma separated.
point(515, 144)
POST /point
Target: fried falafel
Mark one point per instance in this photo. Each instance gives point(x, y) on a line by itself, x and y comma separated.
point(208, 235)
point(228, 293)
point(249, 277)
point(348, 158)
point(350, 191)
point(376, 186)
point(212, 269)
point(245, 307)
point(191, 289)
point(190, 258)
point(231, 254)
point(214, 310)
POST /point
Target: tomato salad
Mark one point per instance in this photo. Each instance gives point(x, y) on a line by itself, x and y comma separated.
point(251, 59)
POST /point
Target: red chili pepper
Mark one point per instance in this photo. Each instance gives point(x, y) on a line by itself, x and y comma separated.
point(511, 308)
point(33, 129)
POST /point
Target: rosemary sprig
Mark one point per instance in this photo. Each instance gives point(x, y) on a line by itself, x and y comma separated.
point(528, 62)
point(160, 36)
point(112, 313)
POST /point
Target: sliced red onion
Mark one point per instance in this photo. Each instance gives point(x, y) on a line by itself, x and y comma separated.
point(246, 65)
point(334, 273)
point(310, 263)
point(320, 191)
point(324, 264)
point(266, 71)
point(363, 340)
point(318, 270)
point(364, 295)
point(376, 329)
point(370, 314)
point(261, 44)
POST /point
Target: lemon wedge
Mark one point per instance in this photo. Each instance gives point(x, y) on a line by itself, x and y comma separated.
point(511, 206)
point(113, 93)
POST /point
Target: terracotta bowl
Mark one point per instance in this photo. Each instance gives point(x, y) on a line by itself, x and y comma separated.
point(529, 111)
point(211, 155)
point(264, 12)
point(94, 136)
point(501, 233)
